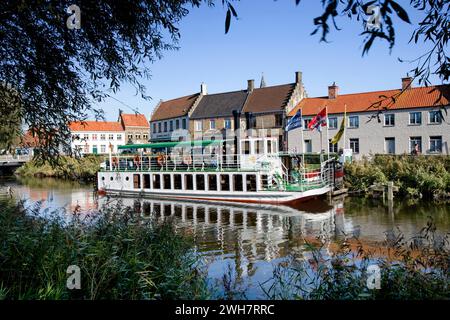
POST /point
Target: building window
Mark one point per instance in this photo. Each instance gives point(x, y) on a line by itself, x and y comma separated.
point(165, 126)
point(212, 124)
point(436, 144)
point(111, 136)
point(171, 125)
point(119, 137)
point(353, 122)
point(145, 136)
point(177, 124)
point(389, 120)
point(103, 148)
point(435, 117)
point(154, 128)
point(278, 120)
point(306, 123)
point(307, 146)
point(138, 137)
point(94, 137)
point(332, 123)
point(86, 148)
point(103, 137)
point(415, 118)
point(389, 145)
point(354, 145)
point(198, 125)
point(413, 141)
point(227, 124)
point(246, 147)
point(332, 147)
point(159, 127)
point(86, 137)
point(130, 137)
point(184, 123)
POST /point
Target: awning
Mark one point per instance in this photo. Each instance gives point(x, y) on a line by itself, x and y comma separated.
point(157, 145)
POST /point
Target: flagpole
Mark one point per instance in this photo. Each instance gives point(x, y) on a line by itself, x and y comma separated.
point(345, 125)
point(328, 142)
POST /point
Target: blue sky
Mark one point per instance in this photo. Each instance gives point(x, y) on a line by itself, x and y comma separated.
point(271, 37)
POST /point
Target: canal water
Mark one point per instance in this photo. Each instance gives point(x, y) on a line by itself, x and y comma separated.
point(246, 242)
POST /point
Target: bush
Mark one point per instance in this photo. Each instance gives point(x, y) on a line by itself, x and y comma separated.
point(85, 168)
point(426, 176)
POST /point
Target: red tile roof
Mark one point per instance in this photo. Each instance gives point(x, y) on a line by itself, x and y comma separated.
point(95, 126)
point(134, 120)
point(269, 99)
point(174, 108)
point(367, 101)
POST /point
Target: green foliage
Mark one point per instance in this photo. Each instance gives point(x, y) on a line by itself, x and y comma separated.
point(121, 256)
point(66, 167)
point(410, 270)
point(426, 176)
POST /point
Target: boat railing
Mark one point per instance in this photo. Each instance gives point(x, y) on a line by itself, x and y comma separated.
point(163, 162)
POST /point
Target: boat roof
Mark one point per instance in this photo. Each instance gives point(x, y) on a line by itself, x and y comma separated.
point(171, 144)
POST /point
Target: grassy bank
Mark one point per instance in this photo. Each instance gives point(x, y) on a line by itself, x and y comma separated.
point(120, 256)
point(84, 168)
point(416, 176)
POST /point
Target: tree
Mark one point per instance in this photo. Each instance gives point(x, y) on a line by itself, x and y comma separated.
point(11, 119)
point(60, 63)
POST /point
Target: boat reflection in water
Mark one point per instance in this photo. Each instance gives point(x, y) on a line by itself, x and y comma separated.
point(247, 240)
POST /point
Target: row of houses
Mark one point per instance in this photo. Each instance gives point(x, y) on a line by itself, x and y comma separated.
point(392, 121)
point(101, 137)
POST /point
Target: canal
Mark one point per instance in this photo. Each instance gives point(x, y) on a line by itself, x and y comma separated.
point(247, 242)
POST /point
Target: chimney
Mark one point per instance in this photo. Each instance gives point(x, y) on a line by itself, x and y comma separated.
point(250, 85)
point(203, 89)
point(333, 91)
point(298, 77)
point(406, 83)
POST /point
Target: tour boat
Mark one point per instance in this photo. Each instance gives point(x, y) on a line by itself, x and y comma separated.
point(204, 171)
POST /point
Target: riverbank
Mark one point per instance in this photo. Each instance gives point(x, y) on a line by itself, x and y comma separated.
point(417, 177)
point(84, 168)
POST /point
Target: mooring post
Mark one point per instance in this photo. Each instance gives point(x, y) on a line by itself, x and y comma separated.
point(390, 190)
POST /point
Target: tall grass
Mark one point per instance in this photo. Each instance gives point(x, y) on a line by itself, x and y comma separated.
point(121, 256)
point(414, 269)
point(416, 176)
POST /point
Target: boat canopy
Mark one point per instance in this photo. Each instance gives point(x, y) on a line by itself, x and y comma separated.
point(170, 144)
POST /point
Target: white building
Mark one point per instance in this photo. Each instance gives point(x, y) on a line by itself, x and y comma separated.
point(96, 137)
point(414, 119)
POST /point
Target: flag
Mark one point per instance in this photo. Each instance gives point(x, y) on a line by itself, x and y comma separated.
point(339, 134)
point(294, 122)
point(320, 120)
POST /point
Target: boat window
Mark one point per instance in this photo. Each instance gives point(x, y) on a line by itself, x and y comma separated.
point(166, 181)
point(147, 208)
point(237, 182)
point(224, 182)
point(264, 181)
point(137, 181)
point(246, 147)
point(259, 147)
point(189, 182)
point(167, 209)
point(200, 180)
point(251, 182)
point(269, 146)
point(157, 208)
point(212, 182)
point(146, 181)
point(177, 181)
point(156, 181)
